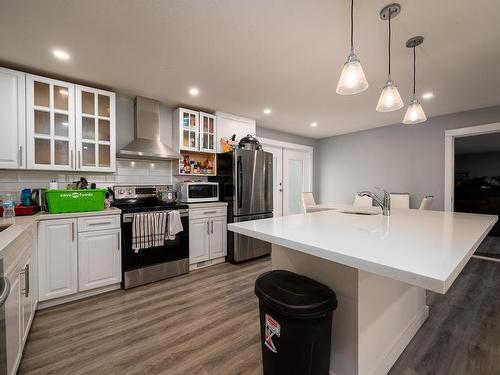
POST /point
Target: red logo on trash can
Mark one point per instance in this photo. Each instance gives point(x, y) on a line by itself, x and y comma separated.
point(272, 329)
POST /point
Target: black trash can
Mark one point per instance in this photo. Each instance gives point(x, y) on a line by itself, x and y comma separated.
point(295, 323)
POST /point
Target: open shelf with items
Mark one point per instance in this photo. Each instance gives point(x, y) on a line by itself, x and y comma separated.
point(197, 164)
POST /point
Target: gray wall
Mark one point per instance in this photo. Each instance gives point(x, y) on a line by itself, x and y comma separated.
point(398, 157)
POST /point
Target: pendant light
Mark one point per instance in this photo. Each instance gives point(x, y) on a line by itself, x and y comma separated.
point(352, 79)
point(414, 114)
point(389, 100)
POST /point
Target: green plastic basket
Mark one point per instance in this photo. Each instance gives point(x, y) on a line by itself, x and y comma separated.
point(61, 201)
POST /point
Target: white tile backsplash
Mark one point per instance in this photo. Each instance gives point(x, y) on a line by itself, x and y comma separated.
point(127, 172)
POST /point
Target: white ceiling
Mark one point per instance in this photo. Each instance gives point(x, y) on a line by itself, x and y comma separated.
point(245, 55)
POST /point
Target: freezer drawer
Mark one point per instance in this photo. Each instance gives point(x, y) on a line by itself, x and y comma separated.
point(245, 247)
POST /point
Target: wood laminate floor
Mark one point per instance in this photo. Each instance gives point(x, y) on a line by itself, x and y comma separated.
point(207, 323)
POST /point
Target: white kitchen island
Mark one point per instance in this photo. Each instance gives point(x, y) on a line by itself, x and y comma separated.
point(379, 267)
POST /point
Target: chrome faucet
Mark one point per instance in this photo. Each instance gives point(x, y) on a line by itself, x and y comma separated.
point(384, 202)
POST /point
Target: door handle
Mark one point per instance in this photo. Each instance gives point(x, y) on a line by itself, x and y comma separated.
point(208, 227)
point(239, 182)
point(209, 212)
point(79, 159)
point(20, 156)
point(73, 231)
point(72, 159)
point(212, 225)
point(119, 242)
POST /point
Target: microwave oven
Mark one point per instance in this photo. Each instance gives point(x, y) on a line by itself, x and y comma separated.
point(195, 192)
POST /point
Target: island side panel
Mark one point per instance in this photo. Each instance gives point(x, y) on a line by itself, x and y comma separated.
point(344, 281)
point(390, 313)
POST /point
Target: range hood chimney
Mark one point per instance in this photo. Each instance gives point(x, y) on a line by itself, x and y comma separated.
point(146, 144)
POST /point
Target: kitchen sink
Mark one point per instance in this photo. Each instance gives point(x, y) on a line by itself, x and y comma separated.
point(359, 212)
point(4, 226)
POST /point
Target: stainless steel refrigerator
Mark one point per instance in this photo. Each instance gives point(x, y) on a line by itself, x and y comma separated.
point(246, 183)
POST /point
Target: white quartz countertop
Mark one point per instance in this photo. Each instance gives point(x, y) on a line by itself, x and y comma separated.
point(422, 248)
point(21, 223)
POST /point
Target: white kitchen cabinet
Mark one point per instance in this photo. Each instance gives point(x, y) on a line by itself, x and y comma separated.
point(186, 130)
point(229, 125)
point(13, 322)
point(95, 130)
point(18, 258)
point(50, 124)
point(12, 119)
point(99, 259)
point(218, 237)
point(208, 132)
point(57, 258)
point(207, 234)
point(78, 257)
point(199, 240)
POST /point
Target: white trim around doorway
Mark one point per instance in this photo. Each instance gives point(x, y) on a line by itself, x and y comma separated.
point(293, 146)
point(449, 157)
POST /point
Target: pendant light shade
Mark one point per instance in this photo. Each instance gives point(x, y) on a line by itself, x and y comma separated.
point(389, 100)
point(414, 113)
point(352, 79)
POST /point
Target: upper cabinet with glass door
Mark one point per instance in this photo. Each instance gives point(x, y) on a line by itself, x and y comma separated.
point(50, 123)
point(208, 134)
point(195, 131)
point(95, 130)
point(187, 133)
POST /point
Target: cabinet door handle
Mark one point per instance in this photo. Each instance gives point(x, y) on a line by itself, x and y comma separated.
point(209, 212)
point(27, 280)
point(79, 159)
point(72, 159)
point(212, 225)
point(208, 227)
point(119, 242)
point(73, 231)
point(20, 156)
point(101, 223)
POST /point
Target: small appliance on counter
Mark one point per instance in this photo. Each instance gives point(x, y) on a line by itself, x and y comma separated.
point(196, 192)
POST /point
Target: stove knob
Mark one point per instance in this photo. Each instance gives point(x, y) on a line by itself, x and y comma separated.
point(131, 191)
point(121, 191)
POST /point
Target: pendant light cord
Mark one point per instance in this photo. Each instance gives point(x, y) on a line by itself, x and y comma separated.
point(352, 26)
point(414, 69)
point(390, 16)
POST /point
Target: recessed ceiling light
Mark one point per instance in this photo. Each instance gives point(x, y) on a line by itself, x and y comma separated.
point(194, 91)
point(60, 54)
point(314, 124)
point(267, 111)
point(427, 95)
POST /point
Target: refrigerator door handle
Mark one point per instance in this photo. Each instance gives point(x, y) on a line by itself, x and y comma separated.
point(239, 180)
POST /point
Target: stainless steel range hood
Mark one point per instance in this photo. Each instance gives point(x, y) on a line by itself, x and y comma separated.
point(146, 144)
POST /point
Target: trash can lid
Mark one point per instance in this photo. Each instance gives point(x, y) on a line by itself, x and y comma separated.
point(295, 295)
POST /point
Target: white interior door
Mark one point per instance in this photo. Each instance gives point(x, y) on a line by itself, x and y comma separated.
point(277, 178)
point(297, 178)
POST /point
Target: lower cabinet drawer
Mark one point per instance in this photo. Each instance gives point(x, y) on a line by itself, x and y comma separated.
point(91, 223)
point(207, 212)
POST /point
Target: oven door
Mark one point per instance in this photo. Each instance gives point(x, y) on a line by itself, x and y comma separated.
point(154, 263)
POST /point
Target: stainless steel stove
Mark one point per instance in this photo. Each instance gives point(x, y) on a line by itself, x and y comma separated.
point(155, 263)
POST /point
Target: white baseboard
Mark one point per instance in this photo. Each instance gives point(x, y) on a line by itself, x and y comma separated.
point(402, 342)
point(74, 297)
